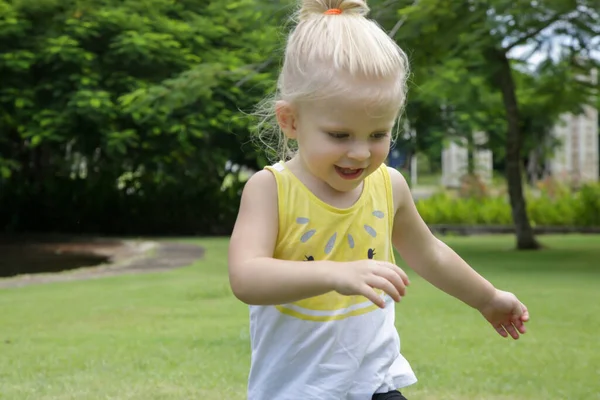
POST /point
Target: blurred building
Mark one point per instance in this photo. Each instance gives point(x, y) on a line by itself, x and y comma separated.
point(576, 159)
point(455, 161)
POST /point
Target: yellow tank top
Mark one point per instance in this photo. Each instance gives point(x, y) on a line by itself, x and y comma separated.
point(310, 229)
point(329, 346)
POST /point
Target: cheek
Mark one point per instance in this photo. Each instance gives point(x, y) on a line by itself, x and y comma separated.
point(323, 149)
point(381, 149)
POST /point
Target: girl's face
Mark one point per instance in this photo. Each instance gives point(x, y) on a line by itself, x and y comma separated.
point(341, 140)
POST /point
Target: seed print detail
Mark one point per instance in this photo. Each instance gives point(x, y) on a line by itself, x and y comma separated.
point(329, 246)
point(330, 243)
point(350, 241)
point(307, 235)
point(371, 254)
point(370, 231)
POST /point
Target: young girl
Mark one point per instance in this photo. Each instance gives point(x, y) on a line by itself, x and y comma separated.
point(312, 251)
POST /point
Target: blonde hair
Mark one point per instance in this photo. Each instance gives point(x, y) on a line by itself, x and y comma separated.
point(324, 55)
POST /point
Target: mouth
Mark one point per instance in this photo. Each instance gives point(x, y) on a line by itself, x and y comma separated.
point(349, 173)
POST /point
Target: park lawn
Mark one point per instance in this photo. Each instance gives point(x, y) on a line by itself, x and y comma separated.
point(182, 335)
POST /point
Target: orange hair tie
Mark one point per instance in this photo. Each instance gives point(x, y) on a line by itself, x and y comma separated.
point(333, 11)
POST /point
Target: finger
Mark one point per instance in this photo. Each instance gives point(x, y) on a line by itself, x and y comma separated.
point(500, 329)
point(398, 271)
point(525, 315)
point(394, 278)
point(372, 295)
point(385, 285)
point(519, 324)
point(511, 331)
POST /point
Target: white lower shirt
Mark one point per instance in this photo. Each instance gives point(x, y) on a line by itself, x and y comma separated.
point(347, 359)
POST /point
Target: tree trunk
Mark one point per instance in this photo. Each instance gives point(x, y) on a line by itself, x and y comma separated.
point(470, 154)
point(525, 237)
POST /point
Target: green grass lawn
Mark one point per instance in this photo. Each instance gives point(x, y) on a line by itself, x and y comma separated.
point(182, 335)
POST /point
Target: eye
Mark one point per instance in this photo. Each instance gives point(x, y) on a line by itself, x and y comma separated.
point(371, 253)
point(379, 135)
point(338, 135)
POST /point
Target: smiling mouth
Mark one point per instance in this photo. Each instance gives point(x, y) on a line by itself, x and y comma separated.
point(349, 173)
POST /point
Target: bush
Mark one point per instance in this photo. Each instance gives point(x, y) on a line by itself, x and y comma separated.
point(550, 204)
point(588, 207)
point(122, 117)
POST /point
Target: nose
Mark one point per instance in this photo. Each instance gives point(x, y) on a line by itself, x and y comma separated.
point(359, 151)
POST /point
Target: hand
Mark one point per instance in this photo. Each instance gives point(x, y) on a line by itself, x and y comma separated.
point(364, 276)
point(506, 314)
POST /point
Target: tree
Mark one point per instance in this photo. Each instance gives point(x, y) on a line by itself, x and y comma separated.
point(485, 34)
point(447, 102)
point(120, 116)
point(545, 94)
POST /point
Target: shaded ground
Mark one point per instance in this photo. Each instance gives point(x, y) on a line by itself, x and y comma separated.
point(57, 260)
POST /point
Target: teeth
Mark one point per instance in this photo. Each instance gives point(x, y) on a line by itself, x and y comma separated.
point(349, 170)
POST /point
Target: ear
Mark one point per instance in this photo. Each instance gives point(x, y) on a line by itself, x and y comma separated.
point(286, 118)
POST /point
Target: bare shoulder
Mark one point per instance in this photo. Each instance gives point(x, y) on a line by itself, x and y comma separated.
point(263, 182)
point(400, 188)
point(256, 227)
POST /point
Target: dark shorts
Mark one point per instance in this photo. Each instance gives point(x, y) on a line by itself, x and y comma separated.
point(394, 395)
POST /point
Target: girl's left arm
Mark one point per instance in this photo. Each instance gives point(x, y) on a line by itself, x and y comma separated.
point(431, 258)
point(441, 266)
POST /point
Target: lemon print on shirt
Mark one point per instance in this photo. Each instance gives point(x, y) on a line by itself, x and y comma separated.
point(355, 244)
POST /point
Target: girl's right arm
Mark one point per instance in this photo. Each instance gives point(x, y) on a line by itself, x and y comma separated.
point(259, 279)
point(255, 276)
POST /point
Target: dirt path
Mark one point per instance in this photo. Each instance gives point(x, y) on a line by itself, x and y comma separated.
point(132, 257)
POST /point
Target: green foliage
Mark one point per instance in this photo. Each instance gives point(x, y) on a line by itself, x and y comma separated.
point(453, 93)
point(588, 209)
point(114, 111)
point(549, 205)
point(444, 208)
point(483, 37)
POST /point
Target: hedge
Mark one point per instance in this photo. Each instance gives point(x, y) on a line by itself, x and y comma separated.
point(548, 205)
